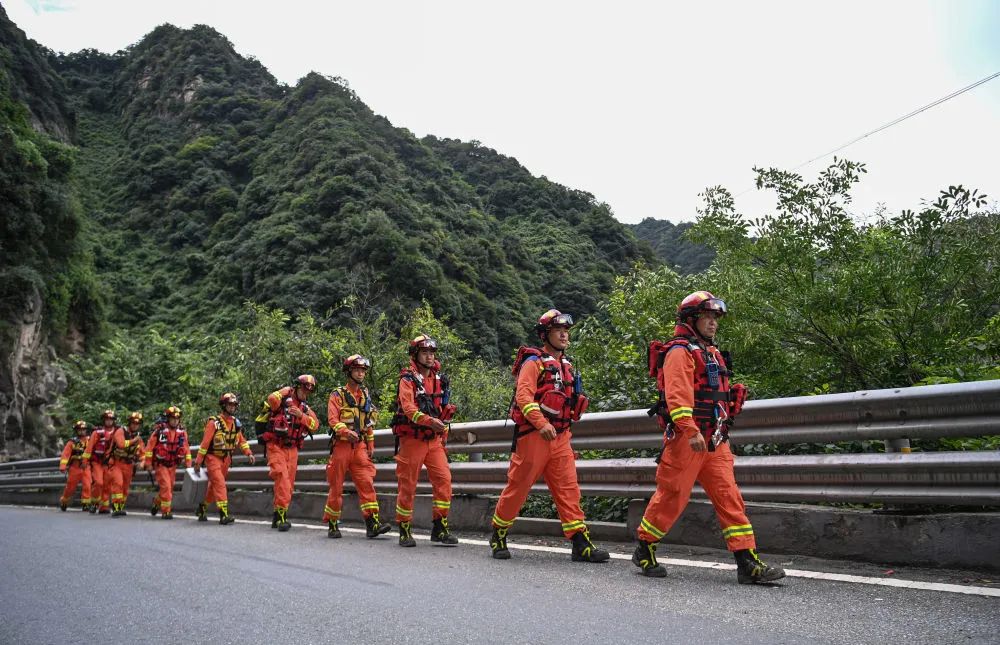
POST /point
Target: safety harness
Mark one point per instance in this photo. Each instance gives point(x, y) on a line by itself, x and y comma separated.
point(558, 395)
point(170, 453)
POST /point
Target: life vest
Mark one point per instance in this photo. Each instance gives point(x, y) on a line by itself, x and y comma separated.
point(558, 393)
point(282, 427)
point(711, 383)
point(76, 451)
point(431, 394)
point(170, 453)
point(355, 414)
point(103, 444)
point(224, 439)
point(128, 455)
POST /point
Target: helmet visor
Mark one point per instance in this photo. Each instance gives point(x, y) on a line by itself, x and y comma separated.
point(361, 362)
point(562, 320)
point(716, 305)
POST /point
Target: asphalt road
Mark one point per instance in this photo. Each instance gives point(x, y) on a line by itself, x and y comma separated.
point(79, 578)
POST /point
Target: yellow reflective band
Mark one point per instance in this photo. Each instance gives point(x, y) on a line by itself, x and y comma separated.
point(369, 505)
point(149, 453)
point(652, 530)
point(740, 529)
point(63, 462)
point(577, 524)
point(404, 511)
point(530, 407)
point(416, 416)
point(202, 451)
point(245, 446)
point(502, 523)
point(86, 455)
point(311, 423)
point(340, 426)
point(678, 413)
point(127, 442)
point(442, 504)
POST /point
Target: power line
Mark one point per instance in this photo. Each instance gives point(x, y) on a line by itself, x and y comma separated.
point(892, 123)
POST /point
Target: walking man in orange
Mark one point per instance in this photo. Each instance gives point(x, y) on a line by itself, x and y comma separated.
point(696, 404)
point(96, 456)
point(352, 418)
point(126, 454)
point(222, 434)
point(72, 461)
point(547, 400)
point(166, 449)
point(420, 425)
point(289, 420)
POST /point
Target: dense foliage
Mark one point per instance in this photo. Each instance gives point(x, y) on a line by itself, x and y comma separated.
point(671, 245)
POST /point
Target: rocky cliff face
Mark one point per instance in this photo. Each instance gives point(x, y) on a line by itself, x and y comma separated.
point(30, 380)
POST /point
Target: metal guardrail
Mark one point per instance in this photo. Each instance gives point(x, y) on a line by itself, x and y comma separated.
point(944, 478)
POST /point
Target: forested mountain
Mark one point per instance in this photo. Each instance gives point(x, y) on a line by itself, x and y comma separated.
point(211, 184)
point(671, 245)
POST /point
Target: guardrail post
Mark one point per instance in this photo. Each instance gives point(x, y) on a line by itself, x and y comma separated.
point(897, 445)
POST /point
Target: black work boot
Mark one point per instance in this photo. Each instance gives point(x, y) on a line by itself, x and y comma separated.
point(63, 505)
point(93, 508)
point(274, 520)
point(440, 533)
point(374, 527)
point(202, 512)
point(750, 569)
point(283, 523)
point(405, 535)
point(498, 544)
point(154, 509)
point(168, 515)
point(224, 516)
point(118, 509)
point(644, 557)
point(585, 551)
point(103, 511)
point(333, 531)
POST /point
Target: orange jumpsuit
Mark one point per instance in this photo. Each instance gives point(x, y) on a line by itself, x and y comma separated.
point(283, 452)
point(350, 453)
point(100, 489)
point(166, 448)
point(72, 460)
point(415, 452)
point(221, 437)
point(126, 454)
point(535, 457)
point(680, 466)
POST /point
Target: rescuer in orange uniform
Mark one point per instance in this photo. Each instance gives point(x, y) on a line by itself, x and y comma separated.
point(289, 419)
point(72, 461)
point(420, 425)
point(696, 405)
point(223, 433)
point(96, 456)
point(547, 400)
point(166, 449)
point(352, 418)
point(126, 454)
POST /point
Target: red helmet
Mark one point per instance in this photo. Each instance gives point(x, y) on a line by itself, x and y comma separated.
point(173, 411)
point(108, 414)
point(423, 341)
point(356, 360)
point(80, 426)
point(227, 398)
point(700, 302)
point(308, 381)
point(135, 417)
point(552, 318)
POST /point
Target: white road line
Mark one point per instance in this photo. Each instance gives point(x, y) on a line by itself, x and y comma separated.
point(678, 562)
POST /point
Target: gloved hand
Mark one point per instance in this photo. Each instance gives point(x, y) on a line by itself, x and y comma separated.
point(737, 397)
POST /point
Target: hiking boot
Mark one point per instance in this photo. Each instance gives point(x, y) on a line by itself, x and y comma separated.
point(274, 520)
point(750, 569)
point(498, 544)
point(374, 528)
point(154, 509)
point(224, 517)
point(92, 509)
point(104, 511)
point(644, 557)
point(202, 512)
point(585, 551)
point(405, 535)
point(62, 505)
point(168, 515)
point(333, 531)
point(283, 523)
point(440, 533)
point(116, 510)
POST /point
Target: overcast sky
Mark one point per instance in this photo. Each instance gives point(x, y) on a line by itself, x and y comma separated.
point(642, 104)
